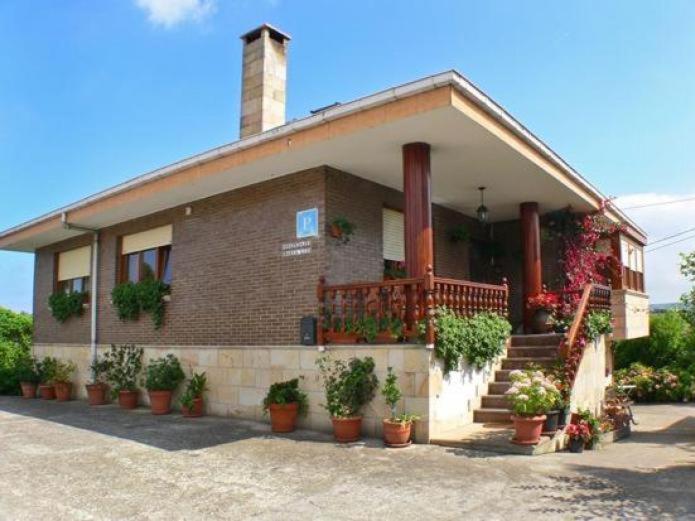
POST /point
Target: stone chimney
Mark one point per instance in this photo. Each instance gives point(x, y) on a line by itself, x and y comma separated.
point(264, 80)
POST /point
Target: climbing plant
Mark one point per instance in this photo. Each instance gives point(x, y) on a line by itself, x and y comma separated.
point(64, 305)
point(132, 298)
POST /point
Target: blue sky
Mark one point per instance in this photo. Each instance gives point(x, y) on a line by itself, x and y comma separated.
point(93, 93)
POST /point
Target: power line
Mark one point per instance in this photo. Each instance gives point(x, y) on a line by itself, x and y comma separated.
point(672, 236)
point(657, 204)
point(669, 244)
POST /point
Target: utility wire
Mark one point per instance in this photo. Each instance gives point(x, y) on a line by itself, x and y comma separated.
point(671, 236)
point(657, 204)
point(669, 244)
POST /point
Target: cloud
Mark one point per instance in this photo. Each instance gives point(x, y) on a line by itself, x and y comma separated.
point(664, 281)
point(169, 13)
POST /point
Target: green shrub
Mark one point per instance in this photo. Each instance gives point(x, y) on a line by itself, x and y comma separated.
point(197, 385)
point(124, 366)
point(130, 299)
point(671, 342)
point(47, 369)
point(282, 393)
point(656, 385)
point(478, 339)
point(348, 386)
point(164, 374)
point(63, 370)
point(25, 370)
point(597, 323)
point(65, 305)
point(15, 346)
point(391, 391)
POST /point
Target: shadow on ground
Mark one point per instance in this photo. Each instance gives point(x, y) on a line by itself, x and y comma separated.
point(168, 432)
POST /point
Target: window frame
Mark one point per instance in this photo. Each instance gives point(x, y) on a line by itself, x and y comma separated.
point(124, 275)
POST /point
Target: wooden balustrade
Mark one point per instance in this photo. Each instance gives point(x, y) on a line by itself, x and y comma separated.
point(391, 310)
point(631, 279)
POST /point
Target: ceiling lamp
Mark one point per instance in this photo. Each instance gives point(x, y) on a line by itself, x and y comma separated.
point(482, 211)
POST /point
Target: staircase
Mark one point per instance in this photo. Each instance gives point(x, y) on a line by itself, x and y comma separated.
point(541, 350)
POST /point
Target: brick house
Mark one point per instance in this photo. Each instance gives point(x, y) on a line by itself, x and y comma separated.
point(242, 233)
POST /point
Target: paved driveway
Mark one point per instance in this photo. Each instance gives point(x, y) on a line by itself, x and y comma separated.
point(68, 461)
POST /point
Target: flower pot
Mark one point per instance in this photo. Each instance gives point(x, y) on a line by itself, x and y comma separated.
point(347, 430)
point(196, 409)
point(576, 445)
point(385, 337)
point(528, 429)
point(96, 394)
point(396, 434)
point(336, 231)
point(283, 416)
point(47, 392)
point(128, 399)
point(63, 391)
point(160, 402)
point(28, 389)
point(342, 338)
point(542, 321)
point(550, 425)
point(562, 418)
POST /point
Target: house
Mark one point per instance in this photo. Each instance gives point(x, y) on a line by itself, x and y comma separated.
point(437, 183)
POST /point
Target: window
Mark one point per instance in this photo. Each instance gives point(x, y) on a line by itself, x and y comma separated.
point(393, 235)
point(73, 269)
point(147, 255)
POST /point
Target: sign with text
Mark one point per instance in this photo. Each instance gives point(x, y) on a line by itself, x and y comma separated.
point(292, 249)
point(308, 223)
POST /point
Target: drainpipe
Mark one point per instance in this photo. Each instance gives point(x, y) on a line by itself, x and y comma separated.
point(93, 277)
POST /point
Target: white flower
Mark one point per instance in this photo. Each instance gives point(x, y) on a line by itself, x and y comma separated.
point(541, 391)
point(512, 390)
point(538, 374)
point(515, 373)
point(538, 379)
point(522, 398)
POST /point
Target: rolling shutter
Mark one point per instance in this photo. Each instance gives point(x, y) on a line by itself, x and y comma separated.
point(146, 240)
point(393, 235)
point(74, 264)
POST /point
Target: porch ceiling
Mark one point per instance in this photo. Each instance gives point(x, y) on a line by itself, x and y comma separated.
point(469, 150)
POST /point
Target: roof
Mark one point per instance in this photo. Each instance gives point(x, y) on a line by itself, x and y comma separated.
point(10, 238)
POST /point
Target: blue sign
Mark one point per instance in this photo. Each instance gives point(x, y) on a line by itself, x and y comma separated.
point(308, 223)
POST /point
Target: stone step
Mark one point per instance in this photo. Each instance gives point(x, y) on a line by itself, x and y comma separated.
point(495, 401)
point(492, 416)
point(533, 351)
point(550, 339)
point(523, 363)
point(502, 375)
point(498, 387)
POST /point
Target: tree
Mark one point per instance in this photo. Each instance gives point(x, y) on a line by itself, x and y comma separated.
point(15, 344)
point(688, 299)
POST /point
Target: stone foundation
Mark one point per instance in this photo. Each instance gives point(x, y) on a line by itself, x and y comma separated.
point(593, 376)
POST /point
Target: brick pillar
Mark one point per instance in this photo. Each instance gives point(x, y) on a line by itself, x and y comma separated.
point(419, 251)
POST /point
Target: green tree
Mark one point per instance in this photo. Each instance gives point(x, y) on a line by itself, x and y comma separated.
point(688, 299)
point(15, 346)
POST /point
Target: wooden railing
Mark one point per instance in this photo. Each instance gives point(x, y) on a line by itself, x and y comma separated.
point(631, 279)
point(391, 310)
point(593, 297)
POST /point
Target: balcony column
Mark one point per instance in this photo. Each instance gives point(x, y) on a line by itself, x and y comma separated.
point(531, 247)
point(419, 251)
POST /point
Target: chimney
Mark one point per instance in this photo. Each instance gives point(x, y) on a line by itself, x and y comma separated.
point(263, 80)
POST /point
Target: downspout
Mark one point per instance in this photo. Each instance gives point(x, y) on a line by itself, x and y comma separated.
point(94, 274)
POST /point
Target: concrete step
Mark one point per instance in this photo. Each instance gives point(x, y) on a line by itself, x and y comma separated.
point(550, 339)
point(523, 363)
point(502, 375)
point(492, 416)
point(533, 351)
point(495, 401)
point(498, 387)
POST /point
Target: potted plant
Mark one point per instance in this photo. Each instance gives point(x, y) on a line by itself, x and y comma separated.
point(397, 428)
point(544, 305)
point(284, 401)
point(46, 369)
point(192, 401)
point(96, 391)
point(531, 395)
point(162, 377)
point(578, 434)
point(125, 364)
point(342, 229)
point(390, 330)
point(348, 386)
point(593, 424)
point(61, 379)
point(28, 376)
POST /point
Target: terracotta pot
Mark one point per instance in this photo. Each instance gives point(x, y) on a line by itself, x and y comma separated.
point(576, 445)
point(47, 392)
point(397, 434)
point(160, 402)
point(96, 393)
point(196, 409)
point(542, 321)
point(283, 416)
point(63, 391)
point(528, 429)
point(128, 399)
point(342, 338)
point(28, 389)
point(336, 231)
point(550, 425)
point(386, 337)
point(346, 430)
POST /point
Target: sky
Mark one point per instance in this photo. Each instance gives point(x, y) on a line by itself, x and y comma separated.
point(94, 93)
